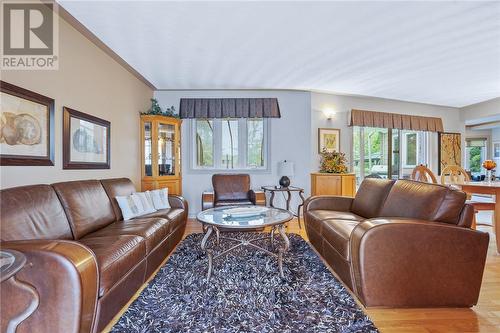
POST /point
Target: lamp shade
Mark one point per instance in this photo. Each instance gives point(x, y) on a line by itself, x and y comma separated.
point(285, 168)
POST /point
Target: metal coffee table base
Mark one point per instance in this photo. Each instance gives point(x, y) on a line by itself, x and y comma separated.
point(210, 230)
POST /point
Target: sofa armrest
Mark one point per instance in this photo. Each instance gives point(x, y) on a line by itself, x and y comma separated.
point(252, 197)
point(338, 203)
point(65, 275)
point(414, 263)
point(177, 201)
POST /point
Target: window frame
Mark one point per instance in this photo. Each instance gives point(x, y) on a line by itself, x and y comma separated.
point(486, 146)
point(242, 147)
point(423, 149)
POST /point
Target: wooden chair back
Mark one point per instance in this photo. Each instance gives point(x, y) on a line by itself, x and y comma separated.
point(454, 175)
point(421, 173)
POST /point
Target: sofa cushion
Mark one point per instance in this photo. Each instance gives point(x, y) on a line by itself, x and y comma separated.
point(32, 212)
point(116, 256)
point(86, 204)
point(322, 214)
point(169, 213)
point(370, 197)
point(153, 230)
point(221, 203)
point(423, 201)
point(115, 187)
point(337, 234)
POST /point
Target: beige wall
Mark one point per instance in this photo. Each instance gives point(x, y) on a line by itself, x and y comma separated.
point(89, 81)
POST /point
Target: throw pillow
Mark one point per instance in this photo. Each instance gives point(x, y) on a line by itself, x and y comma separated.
point(146, 202)
point(130, 206)
point(160, 198)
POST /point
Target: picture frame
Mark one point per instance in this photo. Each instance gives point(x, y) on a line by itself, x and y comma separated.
point(86, 141)
point(449, 149)
point(26, 127)
point(328, 138)
point(496, 149)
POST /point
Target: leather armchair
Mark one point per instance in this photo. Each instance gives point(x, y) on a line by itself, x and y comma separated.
point(232, 189)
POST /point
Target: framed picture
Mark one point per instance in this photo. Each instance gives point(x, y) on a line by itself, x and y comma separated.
point(496, 149)
point(328, 138)
point(26, 127)
point(449, 150)
point(86, 141)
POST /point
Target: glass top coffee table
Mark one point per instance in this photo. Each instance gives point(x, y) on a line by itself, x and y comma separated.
point(243, 218)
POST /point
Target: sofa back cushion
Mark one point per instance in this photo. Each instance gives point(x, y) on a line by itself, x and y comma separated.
point(86, 204)
point(424, 201)
point(117, 187)
point(230, 186)
point(32, 212)
point(370, 197)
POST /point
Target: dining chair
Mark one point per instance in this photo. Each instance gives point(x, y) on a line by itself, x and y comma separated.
point(421, 173)
point(454, 175)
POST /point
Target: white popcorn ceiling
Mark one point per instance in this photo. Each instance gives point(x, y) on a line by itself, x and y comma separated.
point(444, 53)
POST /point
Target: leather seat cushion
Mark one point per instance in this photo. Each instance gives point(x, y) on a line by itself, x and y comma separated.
point(169, 214)
point(323, 214)
point(337, 234)
point(153, 230)
point(174, 215)
point(116, 256)
point(232, 203)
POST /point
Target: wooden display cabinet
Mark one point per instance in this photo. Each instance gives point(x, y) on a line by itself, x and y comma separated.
point(161, 153)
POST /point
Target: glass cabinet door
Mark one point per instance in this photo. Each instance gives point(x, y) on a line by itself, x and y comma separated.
point(148, 168)
point(166, 150)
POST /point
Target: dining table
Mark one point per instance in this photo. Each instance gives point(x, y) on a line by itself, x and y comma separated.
point(491, 188)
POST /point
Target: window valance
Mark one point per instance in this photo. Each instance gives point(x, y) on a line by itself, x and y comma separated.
point(395, 120)
point(229, 108)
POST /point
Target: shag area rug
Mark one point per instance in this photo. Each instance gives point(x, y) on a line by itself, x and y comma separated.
point(245, 294)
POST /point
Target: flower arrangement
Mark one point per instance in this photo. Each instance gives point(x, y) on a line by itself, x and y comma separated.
point(489, 165)
point(156, 110)
point(332, 162)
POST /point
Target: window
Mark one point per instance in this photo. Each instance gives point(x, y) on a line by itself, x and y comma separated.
point(387, 153)
point(476, 153)
point(410, 149)
point(230, 144)
point(204, 143)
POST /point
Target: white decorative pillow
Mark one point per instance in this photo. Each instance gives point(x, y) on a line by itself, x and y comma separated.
point(160, 198)
point(146, 202)
point(130, 206)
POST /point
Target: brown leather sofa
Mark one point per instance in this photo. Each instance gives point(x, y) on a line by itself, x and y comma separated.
point(231, 190)
point(83, 259)
point(401, 243)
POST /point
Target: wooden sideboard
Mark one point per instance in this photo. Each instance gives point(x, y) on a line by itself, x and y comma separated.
point(333, 184)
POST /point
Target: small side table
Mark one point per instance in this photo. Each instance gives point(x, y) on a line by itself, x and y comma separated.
point(11, 262)
point(288, 190)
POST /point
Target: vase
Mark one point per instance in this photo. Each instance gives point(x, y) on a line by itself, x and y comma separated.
point(488, 176)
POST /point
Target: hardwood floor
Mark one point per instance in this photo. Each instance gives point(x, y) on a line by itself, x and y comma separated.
point(484, 317)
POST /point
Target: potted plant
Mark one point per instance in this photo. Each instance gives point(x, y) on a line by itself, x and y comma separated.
point(156, 110)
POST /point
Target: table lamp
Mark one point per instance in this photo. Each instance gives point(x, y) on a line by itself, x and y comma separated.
point(285, 170)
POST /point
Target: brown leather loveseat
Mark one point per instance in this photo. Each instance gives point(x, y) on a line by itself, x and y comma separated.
point(401, 243)
point(83, 259)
